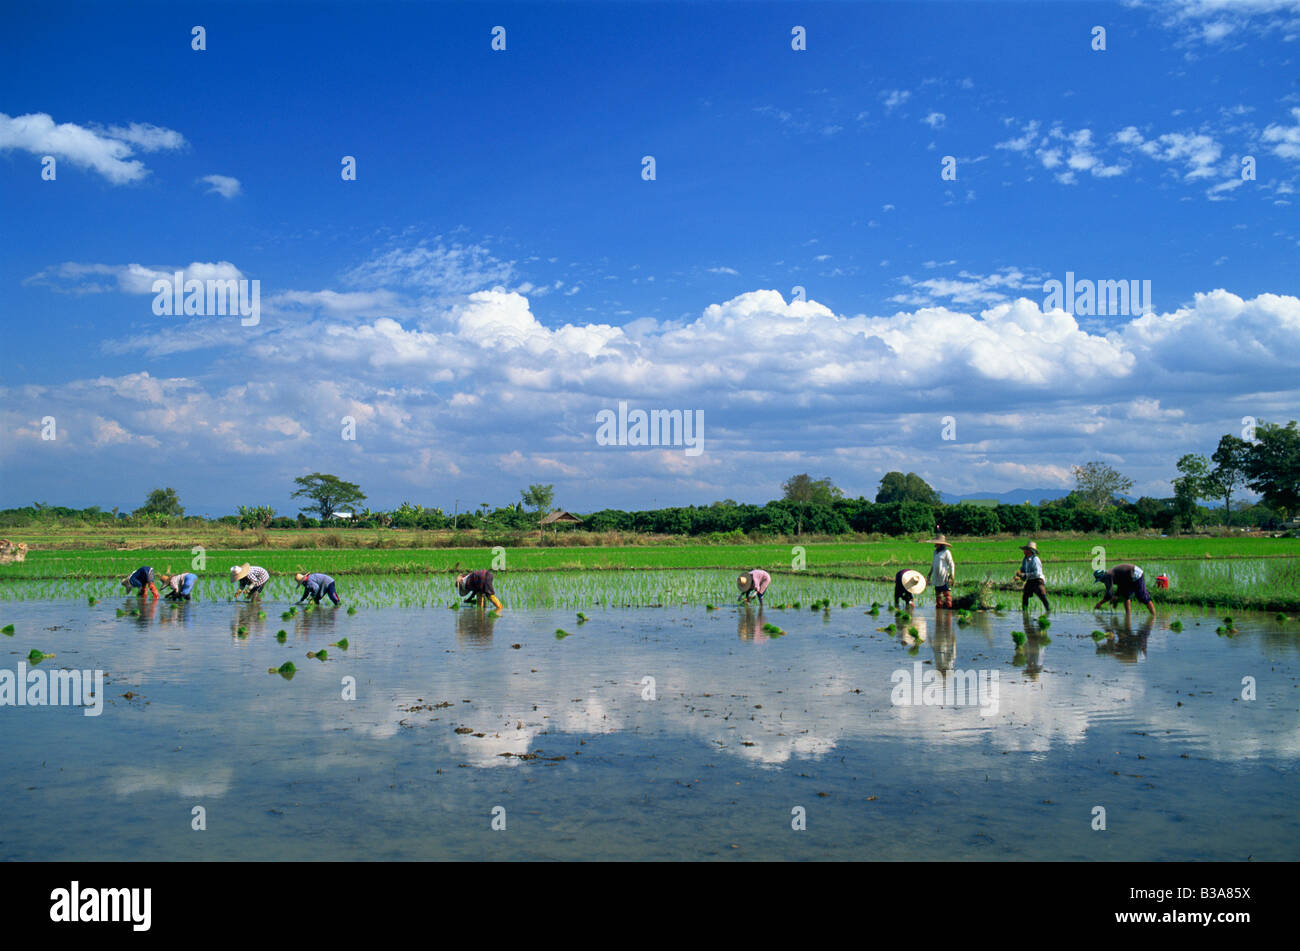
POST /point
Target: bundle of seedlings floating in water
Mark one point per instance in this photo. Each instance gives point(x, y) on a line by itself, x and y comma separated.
point(1099, 635)
point(321, 654)
point(561, 633)
point(281, 634)
point(772, 630)
point(1019, 638)
point(352, 609)
point(341, 645)
point(241, 631)
point(1175, 626)
point(1044, 622)
point(285, 670)
point(582, 618)
point(9, 628)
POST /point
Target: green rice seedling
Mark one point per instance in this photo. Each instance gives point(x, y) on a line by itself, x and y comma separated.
point(1279, 616)
point(7, 629)
point(321, 654)
point(1044, 622)
point(121, 613)
point(902, 617)
point(772, 630)
point(915, 632)
point(286, 670)
point(280, 635)
point(892, 629)
point(341, 644)
point(875, 611)
point(92, 600)
point(1175, 626)
point(1000, 606)
point(561, 633)
point(1099, 635)
point(241, 631)
point(796, 605)
point(1019, 638)
point(352, 609)
point(844, 604)
point(36, 656)
point(286, 615)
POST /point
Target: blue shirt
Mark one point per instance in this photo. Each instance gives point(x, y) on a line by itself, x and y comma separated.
point(184, 583)
point(316, 583)
point(140, 577)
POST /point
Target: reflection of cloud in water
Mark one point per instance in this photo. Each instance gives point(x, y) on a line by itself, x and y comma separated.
point(799, 696)
point(187, 784)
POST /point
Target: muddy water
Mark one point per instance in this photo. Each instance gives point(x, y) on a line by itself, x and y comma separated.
point(738, 736)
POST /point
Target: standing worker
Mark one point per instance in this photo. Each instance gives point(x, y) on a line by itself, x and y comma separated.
point(942, 572)
point(1127, 582)
point(141, 578)
point(478, 585)
point(1031, 571)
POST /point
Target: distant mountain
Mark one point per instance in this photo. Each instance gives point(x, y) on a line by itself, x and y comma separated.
point(1013, 497)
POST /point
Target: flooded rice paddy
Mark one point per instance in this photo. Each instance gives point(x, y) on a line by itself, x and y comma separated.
point(671, 732)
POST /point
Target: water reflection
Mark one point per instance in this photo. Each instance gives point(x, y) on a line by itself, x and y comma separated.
point(1126, 643)
point(474, 626)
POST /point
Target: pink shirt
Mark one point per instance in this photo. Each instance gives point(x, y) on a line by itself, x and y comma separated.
point(761, 579)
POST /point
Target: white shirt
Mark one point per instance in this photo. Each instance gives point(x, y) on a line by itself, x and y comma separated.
point(942, 568)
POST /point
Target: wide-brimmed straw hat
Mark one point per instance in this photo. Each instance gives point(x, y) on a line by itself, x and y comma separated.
point(938, 540)
point(300, 577)
point(913, 581)
point(1031, 546)
point(745, 581)
point(239, 572)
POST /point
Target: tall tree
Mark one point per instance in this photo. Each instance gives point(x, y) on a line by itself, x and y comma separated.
point(1229, 471)
point(1193, 484)
point(1098, 483)
point(161, 502)
point(328, 493)
point(804, 490)
point(1273, 466)
point(538, 497)
point(896, 487)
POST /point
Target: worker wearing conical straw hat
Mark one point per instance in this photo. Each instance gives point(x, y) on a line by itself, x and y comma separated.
point(908, 585)
point(1031, 572)
point(182, 585)
point(251, 578)
point(752, 583)
point(316, 586)
point(942, 571)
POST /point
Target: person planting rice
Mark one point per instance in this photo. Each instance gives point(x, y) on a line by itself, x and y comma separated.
point(250, 577)
point(752, 583)
point(1031, 572)
point(1127, 582)
point(478, 585)
point(141, 578)
point(908, 584)
point(942, 572)
point(182, 586)
point(317, 586)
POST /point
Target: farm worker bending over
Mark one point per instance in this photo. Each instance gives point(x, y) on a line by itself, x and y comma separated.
point(753, 583)
point(1127, 582)
point(141, 578)
point(317, 586)
point(478, 585)
point(251, 577)
point(181, 586)
point(942, 572)
point(1031, 570)
point(907, 585)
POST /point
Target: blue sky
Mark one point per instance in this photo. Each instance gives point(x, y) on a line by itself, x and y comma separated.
point(499, 272)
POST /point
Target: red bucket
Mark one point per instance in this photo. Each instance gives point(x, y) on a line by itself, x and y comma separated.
point(1162, 581)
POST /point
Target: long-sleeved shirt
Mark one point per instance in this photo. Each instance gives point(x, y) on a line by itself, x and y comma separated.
point(184, 584)
point(141, 577)
point(1031, 567)
point(942, 569)
point(761, 580)
point(314, 585)
point(478, 582)
point(255, 578)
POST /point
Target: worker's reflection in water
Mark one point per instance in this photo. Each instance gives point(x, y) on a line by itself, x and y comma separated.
point(944, 642)
point(1127, 643)
point(1030, 654)
point(475, 627)
point(749, 623)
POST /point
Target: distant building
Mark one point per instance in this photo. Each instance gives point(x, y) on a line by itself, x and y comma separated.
point(559, 515)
